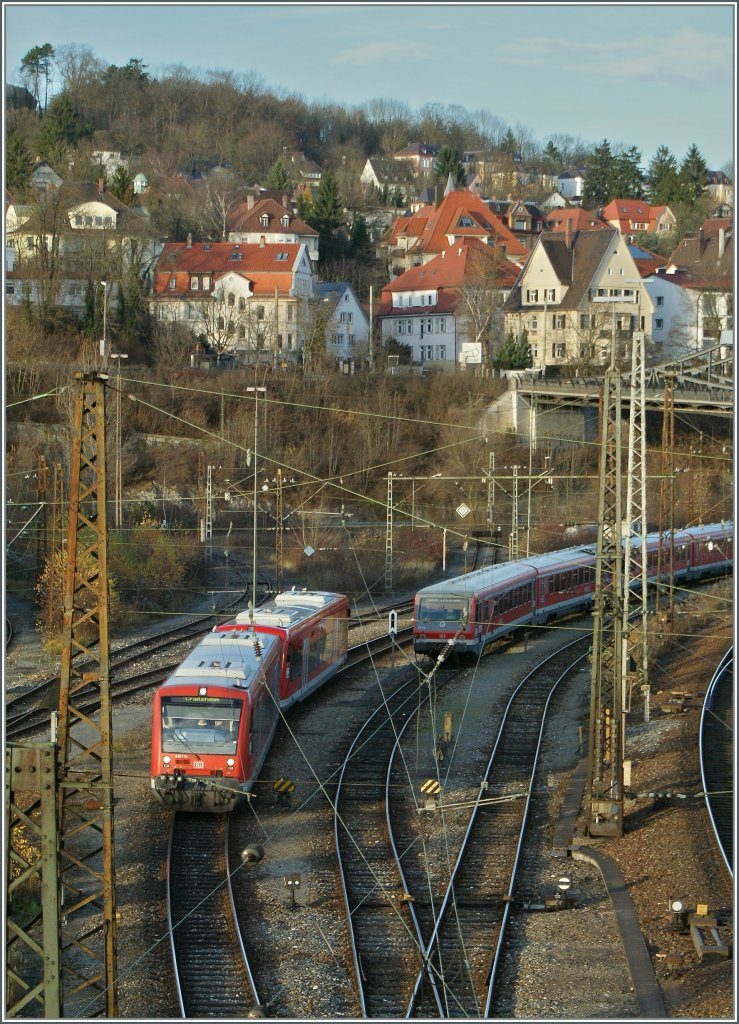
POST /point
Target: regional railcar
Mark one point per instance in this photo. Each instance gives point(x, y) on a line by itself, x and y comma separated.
point(215, 717)
point(313, 628)
point(471, 610)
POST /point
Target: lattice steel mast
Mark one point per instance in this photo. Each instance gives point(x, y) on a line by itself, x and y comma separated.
point(604, 798)
point(85, 769)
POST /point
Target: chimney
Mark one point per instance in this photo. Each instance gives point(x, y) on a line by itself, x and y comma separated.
point(261, 241)
point(101, 185)
point(568, 234)
point(721, 242)
point(189, 239)
point(284, 199)
point(701, 242)
point(250, 202)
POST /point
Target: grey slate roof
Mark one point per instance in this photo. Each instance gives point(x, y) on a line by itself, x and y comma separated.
point(574, 267)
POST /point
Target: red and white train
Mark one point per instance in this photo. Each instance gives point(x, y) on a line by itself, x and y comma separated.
point(473, 609)
point(216, 715)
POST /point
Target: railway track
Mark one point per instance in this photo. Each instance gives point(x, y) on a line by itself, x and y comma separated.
point(212, 974)
point(28, 712)
point(716, 746)
point(384, 934)
point(427, 895)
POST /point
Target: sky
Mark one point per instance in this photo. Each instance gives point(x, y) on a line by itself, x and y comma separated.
point(636, 74)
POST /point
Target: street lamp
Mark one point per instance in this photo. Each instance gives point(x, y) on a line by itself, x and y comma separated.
point(118, 474)
point(104, 286)
point(254, 536)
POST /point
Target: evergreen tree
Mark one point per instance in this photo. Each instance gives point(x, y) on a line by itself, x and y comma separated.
point(449, 162)
point(360, 243)
point(551, 159)
point(662, 178)
point(60, 129)
point(278, 180)
point(18, 165)
point(509, 145)
point(598, 177)
point(304, 205)
point(327, 216)
point(627, 178)
point(693, 175)
point(122, 185)
point(35, 65)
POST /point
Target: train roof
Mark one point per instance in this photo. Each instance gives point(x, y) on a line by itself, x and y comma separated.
point(707, 530)
point(228, 659)
point(286, 609)
point(471, 582)
point(580, 554)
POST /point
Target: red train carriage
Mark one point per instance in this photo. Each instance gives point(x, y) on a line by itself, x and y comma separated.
point(711, 549)
point(565, 581)
point(313, 629)
point(213, 721)
point(473, 609)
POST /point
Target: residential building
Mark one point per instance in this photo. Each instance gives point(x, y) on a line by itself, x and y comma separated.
point(577, 294)
point(577, 218)
point(636, 216)
point(247, 300)
point(421, 156)
point(393, 176)
point(417, 238)
point(72, 235)
point(720, 188)
point(258, 220)
point(447, 309)
point(693, 293)
point(297, 163)
point(346, 323)
point(44, 177)
point(570, 183)
point(522, 217)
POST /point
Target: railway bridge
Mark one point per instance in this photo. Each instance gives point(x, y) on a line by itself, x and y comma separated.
point(566, 409)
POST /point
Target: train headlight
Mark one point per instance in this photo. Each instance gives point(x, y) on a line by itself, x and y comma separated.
point(202, 691)
point(166, 759)
point(230, 762)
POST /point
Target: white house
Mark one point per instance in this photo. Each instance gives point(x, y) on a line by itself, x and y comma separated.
point(570, 183)
point(347, 333)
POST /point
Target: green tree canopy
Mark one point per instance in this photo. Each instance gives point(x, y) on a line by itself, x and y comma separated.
point(450, 162)
point(35, 65)
point(327, 216)
point(596, 187)
point(278, 180)
point(18, 165)
point(663, 181)
point(121, 185)
point(693, 175)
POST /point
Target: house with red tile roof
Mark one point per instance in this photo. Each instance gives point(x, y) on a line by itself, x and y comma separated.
point(636, 216)
point(447, 309)
point(461, 215)
point(266, 220)
point(576, 217)
point(249, 300)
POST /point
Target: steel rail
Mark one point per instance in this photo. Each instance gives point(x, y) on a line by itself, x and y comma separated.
point(708, 724)
point(448, 900)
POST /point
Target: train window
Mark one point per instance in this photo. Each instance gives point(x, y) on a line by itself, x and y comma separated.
point(200, 728)
point(442, 609)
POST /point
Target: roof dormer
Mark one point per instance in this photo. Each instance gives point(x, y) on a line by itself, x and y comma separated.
point(285, 220)
point(264, 220)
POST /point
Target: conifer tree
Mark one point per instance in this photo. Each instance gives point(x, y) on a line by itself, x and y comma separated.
point(327, 216)
point(693, 175)
point(662, 178)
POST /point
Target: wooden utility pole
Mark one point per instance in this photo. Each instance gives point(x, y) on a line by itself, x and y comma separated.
point(89, 985)
point(604, 799)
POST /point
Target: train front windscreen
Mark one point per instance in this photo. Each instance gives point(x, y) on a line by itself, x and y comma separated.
point(192, 725)
point(442, 612)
